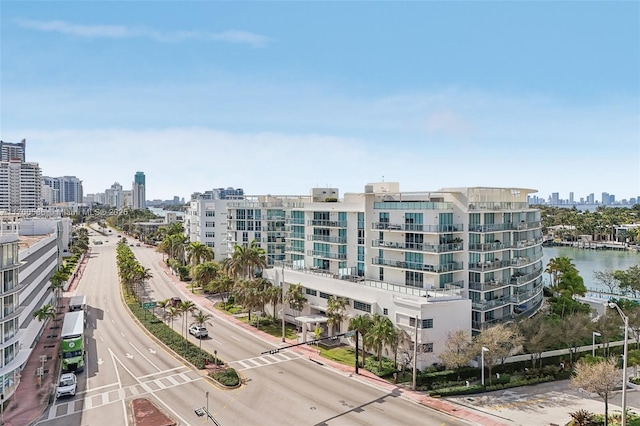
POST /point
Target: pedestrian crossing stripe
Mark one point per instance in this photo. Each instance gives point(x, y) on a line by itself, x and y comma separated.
point(264, 360)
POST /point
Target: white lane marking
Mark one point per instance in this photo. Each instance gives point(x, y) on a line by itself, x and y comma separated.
point(141, 354)
point(129, 355)
point(162, 372)
point(101, 339)
point(215, 341)
point(234, 337)
point(112, 321)
point(122, 334)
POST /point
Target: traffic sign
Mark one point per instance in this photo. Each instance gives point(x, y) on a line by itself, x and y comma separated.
point(148, 305)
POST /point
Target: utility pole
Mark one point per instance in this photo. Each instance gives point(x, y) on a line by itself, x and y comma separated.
point(415, 355)
point(282, 299)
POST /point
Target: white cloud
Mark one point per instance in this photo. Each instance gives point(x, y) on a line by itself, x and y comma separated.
point(121, 32)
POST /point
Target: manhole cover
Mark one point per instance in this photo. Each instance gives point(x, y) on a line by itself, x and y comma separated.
point(312, 408)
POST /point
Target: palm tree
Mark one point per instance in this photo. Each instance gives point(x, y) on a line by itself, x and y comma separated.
point(361, 323)
point(380, 334)
point(222, 285)
point(45, 313)
point(57, 280)
point(200, 318)
point(198, 253)
point(164, 304)
point(273, 295)
point(203, 273)
point(336, 312)
point(172, 313)
point(295, 297)
point(187, 306)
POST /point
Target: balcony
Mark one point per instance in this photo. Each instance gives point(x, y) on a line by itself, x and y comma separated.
point(327, 255)
point(328, 223)
point(487, 286)
point(290, 249)
point(494, 227)
point(487, 305)
point(294, 221)
point(488, 247)
point(430, 248)
point(448, 267)
point(520, 278)
point(296, 235)
point(413, 227)
point(327, 239)
point(489, 266)
point(527, 243)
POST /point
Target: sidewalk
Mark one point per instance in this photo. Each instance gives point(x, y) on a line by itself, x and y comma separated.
point(364, 375)
point(32, 398)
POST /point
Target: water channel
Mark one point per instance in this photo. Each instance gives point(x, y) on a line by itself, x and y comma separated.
point(588, 261)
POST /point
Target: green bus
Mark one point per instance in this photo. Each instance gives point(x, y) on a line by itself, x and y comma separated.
point(72, 345)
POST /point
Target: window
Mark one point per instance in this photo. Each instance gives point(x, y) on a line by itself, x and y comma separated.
point(381, 274)
point(414, 279)
point(427, 323)
point(385, 311)
point(361, 306)
point(210, 234)
point(427, 347)
point(210, 213)
point(209, 224)
point(245, 237)
point(325, 295)
point(310, 291)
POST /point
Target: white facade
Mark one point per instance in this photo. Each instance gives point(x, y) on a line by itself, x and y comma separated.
point(66, 189)
point(460, 258)
point(206, 221)
point(27, 262)
point(113, 196)
point(20, 186)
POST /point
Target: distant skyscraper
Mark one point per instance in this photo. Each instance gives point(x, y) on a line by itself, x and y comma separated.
point(605, 198)
point(555, 198)
point(591, 198)
point(113, 196)
point(571, 198)
point(11, 151)
point(139, 191)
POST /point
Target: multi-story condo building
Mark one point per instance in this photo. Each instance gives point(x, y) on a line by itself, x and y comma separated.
point(65, 189)
point(457, 258)
point(13, 151)
point(205, 221)
point(113, 196)
point(20, 185)
point(139, 191)
point(30, 252)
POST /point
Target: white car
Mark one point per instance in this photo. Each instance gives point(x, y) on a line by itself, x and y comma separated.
point(198, 331)
point(67, 385)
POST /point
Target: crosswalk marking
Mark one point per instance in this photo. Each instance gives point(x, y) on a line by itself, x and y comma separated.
point(109, 397)
point(263, 361)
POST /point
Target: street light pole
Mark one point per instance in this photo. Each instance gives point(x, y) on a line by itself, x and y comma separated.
point(482, 362)
point(623, 421)
point(593, 345)
point(282, 300)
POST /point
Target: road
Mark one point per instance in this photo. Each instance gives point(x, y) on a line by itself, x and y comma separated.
point(123, 363)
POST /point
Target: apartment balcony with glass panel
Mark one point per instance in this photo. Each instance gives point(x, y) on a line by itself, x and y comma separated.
point(489, 285)
point(487, 305)
point(327, 255)
point(291, 249)
point(294, 221)
point(447, 267)
point(524, 261)
point(519, 278)
point(489, 265)
point(327, 223)
point(485, 247)
point(327, 239)
point(431, 248)
point(496, 227)
point(296, 235)
point(413, 227)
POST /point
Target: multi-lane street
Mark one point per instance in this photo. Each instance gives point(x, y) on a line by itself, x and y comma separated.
point(124, 363)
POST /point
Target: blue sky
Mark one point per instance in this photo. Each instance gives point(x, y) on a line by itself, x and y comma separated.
point(279, 97)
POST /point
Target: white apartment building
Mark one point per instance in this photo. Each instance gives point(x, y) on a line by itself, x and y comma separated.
point(20, 185)
point(113, 196)
point(27, 262)
point(206, 221)
point(65, 189)
point(456, 258)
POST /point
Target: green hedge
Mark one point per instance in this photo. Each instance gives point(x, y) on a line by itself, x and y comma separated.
point(372, 364)
point(464, 390)
point(192, 353)
point(227, 377)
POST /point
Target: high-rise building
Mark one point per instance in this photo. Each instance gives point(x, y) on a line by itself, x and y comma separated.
point(113, 196)
point(66, 189)
point(13, 151)
point(555, 198)
point(139, 191)
point(20, 185)
point(591, 198)
point(571, 198)
point(605, 198)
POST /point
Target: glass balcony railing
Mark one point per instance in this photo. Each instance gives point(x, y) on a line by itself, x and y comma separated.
point(494, 227)
point(328, 223)
point(448, 267)
point(414, 227)
point(327, 239)
point(432, 248)
point(327, 255)
point(488, 286)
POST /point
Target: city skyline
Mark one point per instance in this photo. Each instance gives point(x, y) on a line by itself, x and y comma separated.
point(201, 95)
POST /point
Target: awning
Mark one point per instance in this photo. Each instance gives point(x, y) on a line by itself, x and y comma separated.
point(310, 319)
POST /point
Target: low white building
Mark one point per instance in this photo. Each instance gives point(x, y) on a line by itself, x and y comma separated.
point(27, 262)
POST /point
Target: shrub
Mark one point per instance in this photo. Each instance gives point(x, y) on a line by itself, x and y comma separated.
point(581, 418)
point(227, 377)
point(372, 364)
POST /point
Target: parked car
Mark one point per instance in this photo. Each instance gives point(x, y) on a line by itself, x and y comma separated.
point(175, 301)
point(198, 331)
point(67, 385)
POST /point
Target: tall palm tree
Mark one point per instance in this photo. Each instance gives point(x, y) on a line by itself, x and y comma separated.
point(380, 334)
point(363, 324)
point(185, 307)
point(295, 297)
point(164, 304)
point(222, 285)
point(172, 313)
point(336, 312)
point(57, 280)
point(198, 253)
point(273, 295)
